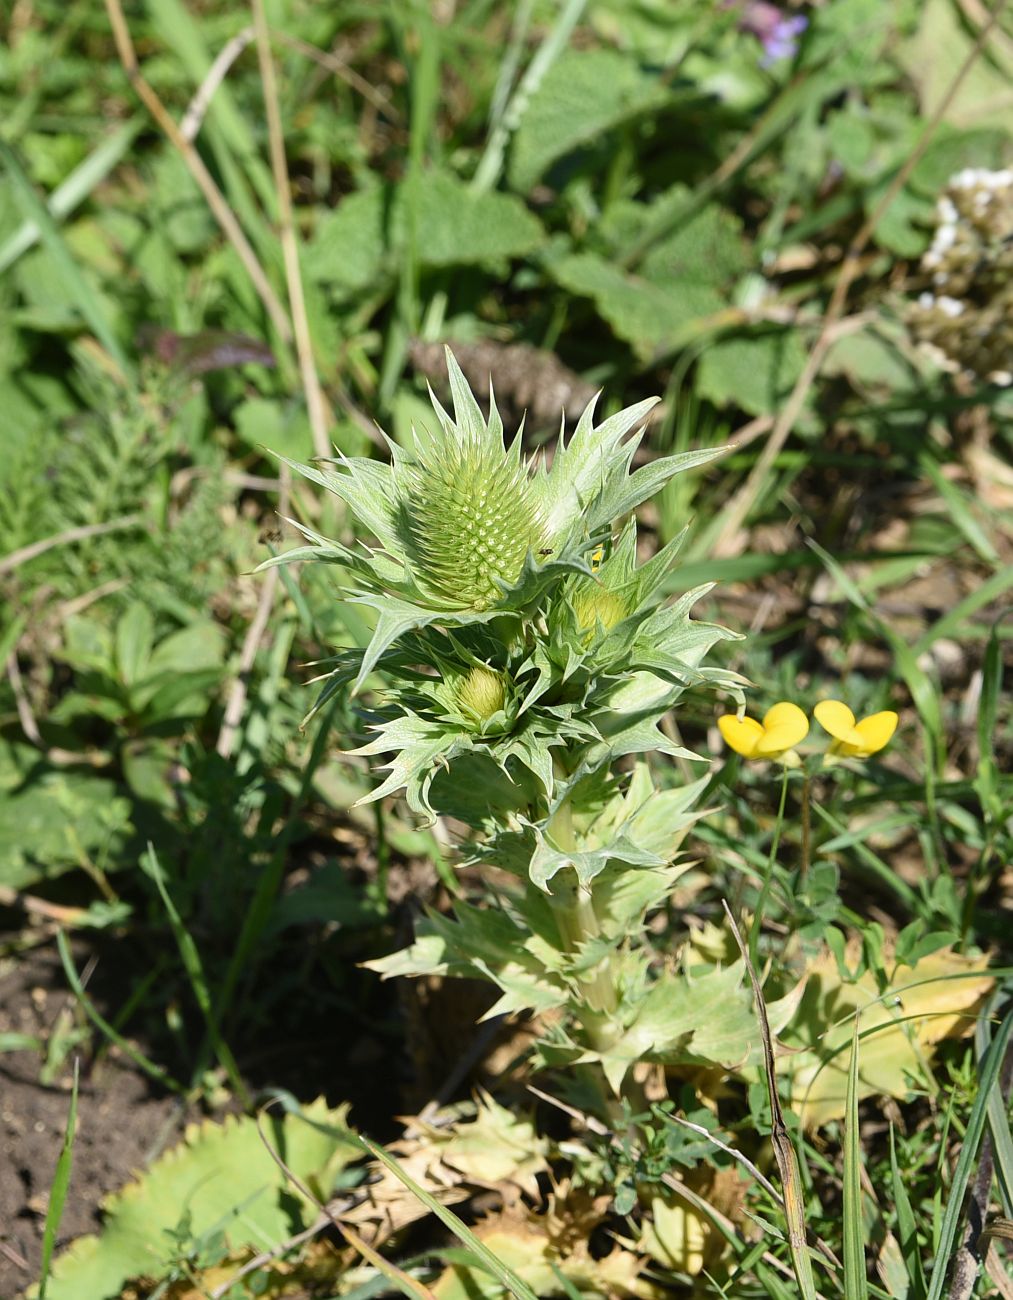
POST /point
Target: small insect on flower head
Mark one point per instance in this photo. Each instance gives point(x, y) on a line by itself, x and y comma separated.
point(854, 739)
point(783, 727)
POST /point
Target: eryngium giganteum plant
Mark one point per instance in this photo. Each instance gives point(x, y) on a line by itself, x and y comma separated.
point(522, 662)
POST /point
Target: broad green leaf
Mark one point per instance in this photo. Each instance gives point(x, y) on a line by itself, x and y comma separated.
point(265, 424)
point(453, 226)
point(702, 1018)
point(754, 373)
point(876, 357)
point(135, 635)
point(935, 54)
point(348, 249)
point(585, 94)
point(46, 822)
point(198, 648)
point(457, 227)
point(705, 248)
point(222, 1177)
point(653, 318)
point(487, 943)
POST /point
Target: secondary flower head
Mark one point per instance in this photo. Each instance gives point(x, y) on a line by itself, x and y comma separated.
point(783, 727)
point(482, 693)
point(594, 604)
point(854, 739)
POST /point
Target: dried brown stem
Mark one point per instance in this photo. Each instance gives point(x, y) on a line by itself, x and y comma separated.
point(251, 644)
point(193, 118)
point(195, 165)
point(316, 404)
point(12, 561)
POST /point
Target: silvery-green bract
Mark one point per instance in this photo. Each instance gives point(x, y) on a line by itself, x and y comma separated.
point(519, 668)
point(486, 560)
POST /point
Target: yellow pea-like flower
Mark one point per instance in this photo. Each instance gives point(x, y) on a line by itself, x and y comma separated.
point(783, 727)
point(854, 739)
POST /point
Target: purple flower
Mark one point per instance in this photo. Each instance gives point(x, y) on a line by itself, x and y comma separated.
point(776, 31)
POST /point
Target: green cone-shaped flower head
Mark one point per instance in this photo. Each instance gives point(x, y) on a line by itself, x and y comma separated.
point(472, 521)
point(482, 693)
point(593, 604)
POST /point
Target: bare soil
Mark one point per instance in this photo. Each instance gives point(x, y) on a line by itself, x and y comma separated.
point(123, 1122)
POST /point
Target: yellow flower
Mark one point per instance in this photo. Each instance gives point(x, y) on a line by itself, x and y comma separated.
point(854, 739)
point(783, 727)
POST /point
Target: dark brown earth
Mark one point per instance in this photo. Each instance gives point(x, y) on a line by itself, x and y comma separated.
point(351, 1039)
point(123, 1121)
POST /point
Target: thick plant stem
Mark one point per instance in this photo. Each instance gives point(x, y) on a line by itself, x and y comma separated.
point(577, 922)
point(573, 907)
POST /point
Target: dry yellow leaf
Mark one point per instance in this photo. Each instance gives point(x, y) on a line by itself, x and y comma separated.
point(936, 998)
point(538, 1248)
point(683, 1238)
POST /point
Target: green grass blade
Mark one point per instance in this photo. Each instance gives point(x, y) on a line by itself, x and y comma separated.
point(960, 512)
point(72, 191)
point(491, 163)
point(58, 1193)
point(856, 1282)
point(953, 620)
point(907, 1228)
point(77, 286)
point(988, 1078)
point(149, 1067)
point(986, 780)
point(998, 1123)
point(194, 968)
point(15, 1042)
point(515, 1285)
point(883, 872)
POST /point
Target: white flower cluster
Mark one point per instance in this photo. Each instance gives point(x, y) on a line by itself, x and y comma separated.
point(966, 318)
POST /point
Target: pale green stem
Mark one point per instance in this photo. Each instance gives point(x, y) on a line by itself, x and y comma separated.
point(573, 907)
point(754, 929)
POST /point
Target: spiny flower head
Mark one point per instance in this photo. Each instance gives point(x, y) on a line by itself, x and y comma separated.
point(511, 613)
point(472, 522)
point(465, 529)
